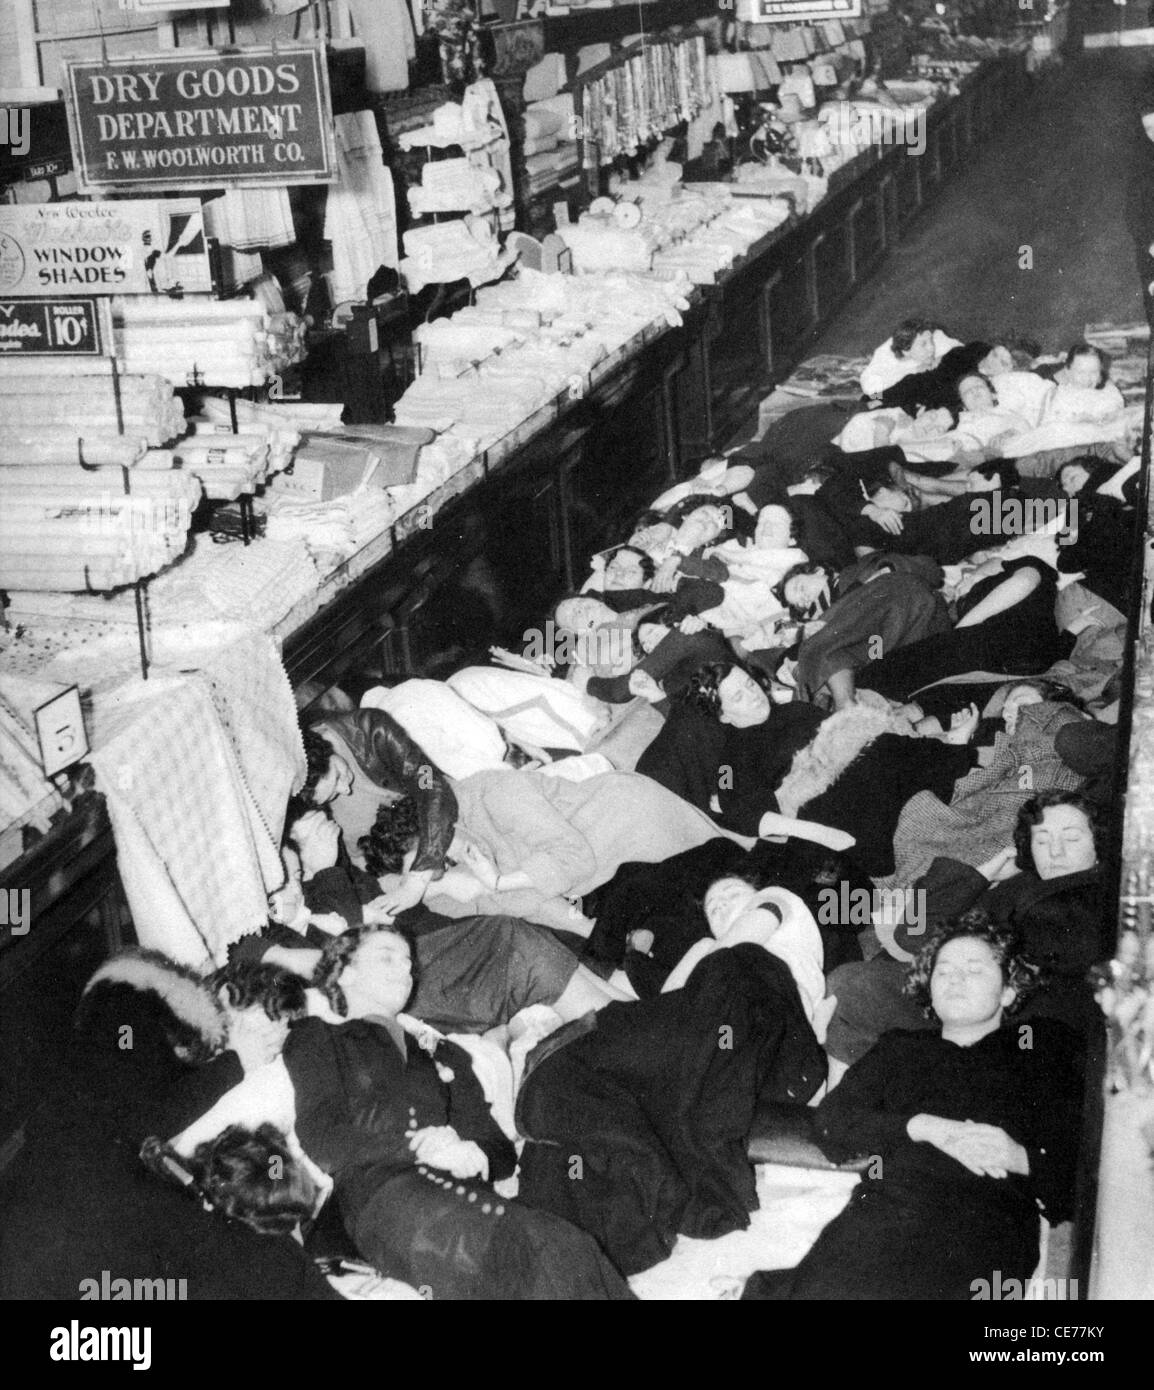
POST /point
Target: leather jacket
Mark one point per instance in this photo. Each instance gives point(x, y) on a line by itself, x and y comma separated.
point(389, 757)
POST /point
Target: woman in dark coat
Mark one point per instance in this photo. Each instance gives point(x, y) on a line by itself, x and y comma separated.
point(972, 1129)
point(403, 1128)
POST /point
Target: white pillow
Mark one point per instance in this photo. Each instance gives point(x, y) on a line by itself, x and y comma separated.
point(458, 738)
point(533, 710)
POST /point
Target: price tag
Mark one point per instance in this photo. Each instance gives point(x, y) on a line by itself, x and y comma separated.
point(60, 729)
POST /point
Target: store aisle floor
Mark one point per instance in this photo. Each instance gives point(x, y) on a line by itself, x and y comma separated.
point(1066, 178)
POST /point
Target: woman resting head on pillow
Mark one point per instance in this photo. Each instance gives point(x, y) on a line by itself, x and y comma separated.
point(774, 919)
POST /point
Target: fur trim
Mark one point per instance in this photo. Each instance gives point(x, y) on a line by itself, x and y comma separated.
point(185, 992)
point(838, 741)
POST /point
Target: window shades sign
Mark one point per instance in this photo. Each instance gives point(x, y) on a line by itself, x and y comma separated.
point(209, 119)
point(53, 327)
point(137, 246)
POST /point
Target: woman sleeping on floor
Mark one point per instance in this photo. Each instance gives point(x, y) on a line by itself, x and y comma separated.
point(397, 1124)
point(474, 973)
point(973, 1128)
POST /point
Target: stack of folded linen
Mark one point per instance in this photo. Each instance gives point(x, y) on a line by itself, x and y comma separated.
point(70, 529)
point(456, 185)
point(333, 530)
point(194, 342)
point(465, 249)
point(255, 584)
point(50, 414)
point(227, 464)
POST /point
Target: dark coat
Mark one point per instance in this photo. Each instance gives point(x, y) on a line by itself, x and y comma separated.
point(640, 1123)
point(78, 1201)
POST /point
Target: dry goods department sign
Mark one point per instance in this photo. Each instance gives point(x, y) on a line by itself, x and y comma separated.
point(202, 120)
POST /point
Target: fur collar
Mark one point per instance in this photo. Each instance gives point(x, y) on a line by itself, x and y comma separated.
point(185, 992)
point(838, 741)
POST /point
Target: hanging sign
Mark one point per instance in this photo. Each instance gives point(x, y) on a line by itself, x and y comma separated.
point(136, 246)
point(796, 11)
point(54, 327)
point(202, 119)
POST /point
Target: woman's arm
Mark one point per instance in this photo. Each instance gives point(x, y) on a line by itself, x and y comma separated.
point(539, 847)
point(1012, 591)
point(852, 1119)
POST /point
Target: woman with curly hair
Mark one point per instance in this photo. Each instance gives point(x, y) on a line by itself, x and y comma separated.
point(971, 1128)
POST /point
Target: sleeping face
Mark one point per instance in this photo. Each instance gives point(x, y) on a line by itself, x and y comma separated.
point(931, 423)
point(976, 394)
point(922, 349)
point(653, 539)
point(1062, 842)
point(256, 1039)
point(1016, 698)
point(1085, 371)
point(582, 614)
point(1072, 478)
point(624, 571)
point(700, 527)
point(806, 592)
point(725, 901)
point(967, 987)
point(379, 978)
point(743, 702)
point(996, 362)
point(774, 529)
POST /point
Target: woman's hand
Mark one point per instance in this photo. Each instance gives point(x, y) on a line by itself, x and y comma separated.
point(402, 894)
point(986, 1150)
point(380, 912)
point(331, 923)
point(885, 517)
point(962, 725)
point(440, 1146)
point(1087, 618)
point(479, 864)
point(642, 683)
point(1002, 866)
point(667, 576)
point(460, 885)
point(691, 623)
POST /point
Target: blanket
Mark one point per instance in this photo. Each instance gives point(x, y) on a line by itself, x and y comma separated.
point(651, 1105)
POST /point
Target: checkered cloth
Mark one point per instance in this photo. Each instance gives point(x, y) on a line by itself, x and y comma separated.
point(196, 771)
point(980, 819)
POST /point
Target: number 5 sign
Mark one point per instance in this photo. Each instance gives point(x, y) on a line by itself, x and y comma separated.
point(60, 729)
